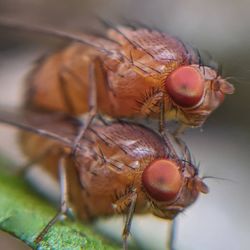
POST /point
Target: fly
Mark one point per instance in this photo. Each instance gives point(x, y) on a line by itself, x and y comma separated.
point(131, 73)
point(119, 167)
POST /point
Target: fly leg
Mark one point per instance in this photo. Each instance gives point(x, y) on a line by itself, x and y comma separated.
point(176, 135)
point(66, 72)
point(164, 132)
point(128, 221)
point(96, 63)
point(171, 240)
point(64, 208)
point(92, 105)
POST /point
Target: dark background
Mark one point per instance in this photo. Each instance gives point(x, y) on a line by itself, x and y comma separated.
point(219, 220)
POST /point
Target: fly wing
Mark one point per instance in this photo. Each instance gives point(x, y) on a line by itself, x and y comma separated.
point(162, 47)
point(106, 46)
point(54, 126)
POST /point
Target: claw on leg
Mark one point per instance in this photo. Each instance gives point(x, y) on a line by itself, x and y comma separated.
point(128, 221)
point(83, 128)
point(64, 200)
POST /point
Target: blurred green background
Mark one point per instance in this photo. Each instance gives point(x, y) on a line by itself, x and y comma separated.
point(221, 219)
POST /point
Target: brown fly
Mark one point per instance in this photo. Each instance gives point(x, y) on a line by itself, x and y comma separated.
point(119, 167)
point(131, 73)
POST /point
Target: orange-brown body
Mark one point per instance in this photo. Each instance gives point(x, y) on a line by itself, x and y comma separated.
point(108, 166)
point(123, 90)
point(130, 69)
point(95, 186)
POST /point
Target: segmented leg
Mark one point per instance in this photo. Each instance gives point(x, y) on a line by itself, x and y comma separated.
point(171, 241)
point(166, 136)
point(163, 131)
point(64, 200)
point(176, 135)
point(182, 145)
point(92, 100)
point(128, 221)
point(92, 104)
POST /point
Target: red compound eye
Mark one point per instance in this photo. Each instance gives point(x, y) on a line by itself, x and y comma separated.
point(162, 180)
point(185, 86)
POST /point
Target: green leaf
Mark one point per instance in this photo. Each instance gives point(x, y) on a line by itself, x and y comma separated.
point(24, 214)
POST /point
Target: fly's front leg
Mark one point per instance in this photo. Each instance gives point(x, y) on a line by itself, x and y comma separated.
point(92, 105)
point(129, 216)
point(65, 73)
point(176, 136)
point(171, 240)
point(182, 147)
point(62, 213)
point(163, 130)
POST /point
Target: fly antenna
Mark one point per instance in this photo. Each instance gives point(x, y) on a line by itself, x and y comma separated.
point(217, 178)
